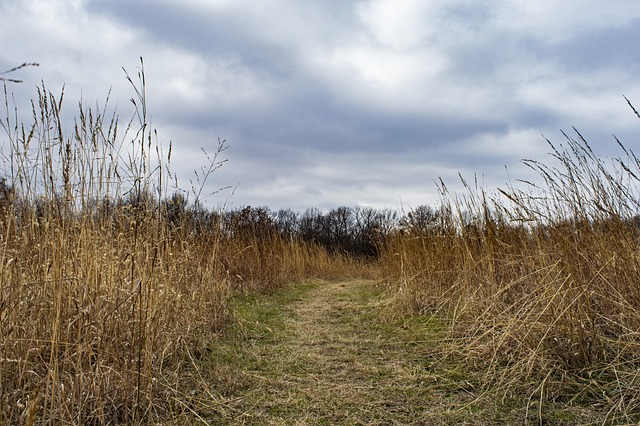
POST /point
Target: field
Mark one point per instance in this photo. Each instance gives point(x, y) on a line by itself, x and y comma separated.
point(124, 301)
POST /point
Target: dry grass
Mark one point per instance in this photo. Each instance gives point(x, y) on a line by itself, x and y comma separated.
point(96, 327)
point(539, 286)
point(111, 297)
point(106, 305)
point(102, 303)
point(262, 260)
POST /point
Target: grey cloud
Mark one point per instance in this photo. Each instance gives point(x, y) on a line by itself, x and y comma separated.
point(322, 107)
point(611, 47)
point(206, 34)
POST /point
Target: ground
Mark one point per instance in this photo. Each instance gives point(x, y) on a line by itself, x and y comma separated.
point(329, 353)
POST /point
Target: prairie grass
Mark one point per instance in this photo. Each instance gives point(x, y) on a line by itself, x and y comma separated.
point(539, 285)
point(114, 285)
point(263, 265)
point(110, 290)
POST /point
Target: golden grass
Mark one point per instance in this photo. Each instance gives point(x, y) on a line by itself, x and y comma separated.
point(110, 295)
point(264, 264)
point(540, 287)
point(107, 298)
point(96, 326)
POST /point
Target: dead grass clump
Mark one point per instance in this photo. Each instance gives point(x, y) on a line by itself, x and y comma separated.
point(539, 285)
point(104, 307)
point(98, 329)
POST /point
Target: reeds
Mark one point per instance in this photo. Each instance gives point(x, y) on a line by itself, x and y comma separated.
point(111, 291)
point(540, 285)
point(101, 302)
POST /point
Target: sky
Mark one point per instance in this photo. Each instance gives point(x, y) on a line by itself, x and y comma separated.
point(343, 102)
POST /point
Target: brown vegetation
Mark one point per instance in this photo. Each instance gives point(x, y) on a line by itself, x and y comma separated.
point(109, 288)
point(112, 290)
point(539, 286)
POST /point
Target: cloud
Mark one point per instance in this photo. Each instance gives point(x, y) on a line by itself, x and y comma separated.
point(363, 101)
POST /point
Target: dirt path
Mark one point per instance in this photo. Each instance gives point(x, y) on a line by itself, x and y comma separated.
point(327, 357)
point(325, 353)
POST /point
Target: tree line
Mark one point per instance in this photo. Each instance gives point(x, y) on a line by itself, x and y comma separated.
point(357, 231)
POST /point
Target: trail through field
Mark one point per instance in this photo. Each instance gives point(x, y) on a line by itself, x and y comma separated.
point(326, 356)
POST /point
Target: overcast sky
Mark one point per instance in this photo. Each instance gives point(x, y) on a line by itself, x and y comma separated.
point(344, 102)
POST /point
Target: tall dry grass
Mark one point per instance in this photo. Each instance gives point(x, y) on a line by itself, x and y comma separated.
point(539, 285)
point(258, 257)
point(102, 304)
point(109, 292)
